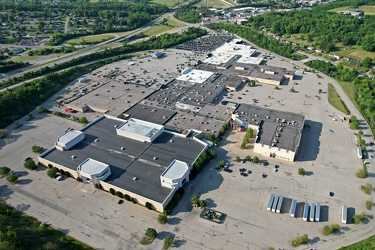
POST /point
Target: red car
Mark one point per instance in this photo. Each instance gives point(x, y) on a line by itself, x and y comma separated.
point(240, 97)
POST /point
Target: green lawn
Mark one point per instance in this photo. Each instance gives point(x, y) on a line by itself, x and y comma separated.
point(20, 58)
point(365, 244)
point(368, 9)
point(169, 3)
point(160, 28)
point(90, 39)
point(20, 231)
point(335, 100)
point(353, 51)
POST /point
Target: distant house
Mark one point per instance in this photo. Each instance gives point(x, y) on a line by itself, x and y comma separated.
point(310, 48)
point(337, 57)
point(157, 55)
point(17, 51)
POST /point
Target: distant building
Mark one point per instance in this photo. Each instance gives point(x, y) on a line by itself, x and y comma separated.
point(278, 133)
point(157, 55)
point(17, 51)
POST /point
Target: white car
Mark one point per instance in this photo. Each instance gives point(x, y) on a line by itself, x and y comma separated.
point(275, 170)
point(59, 177)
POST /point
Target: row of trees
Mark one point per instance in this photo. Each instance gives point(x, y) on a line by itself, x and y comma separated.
point(6, 66)
point(188, 14)
point(259, 39)
point(363, 86)
point(324, 29)
point(47, 51)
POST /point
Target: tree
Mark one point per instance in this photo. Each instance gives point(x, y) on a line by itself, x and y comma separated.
point(320, 91)
point(112, 191)
point(211, 153)
point(238, 159)
point(4, 133)
point(301, 171)
point(256, 159)
point(194, 199)
point(360, 132)
point(12, 179)
point(168, 241)
point(119, 194)
point(151, 233)
point(52, 172)
point(29, 163)
point(162, 219)
point(367, 62)
point(248, 158)
point(359, 218)
point(4, 170)
point(50, 246)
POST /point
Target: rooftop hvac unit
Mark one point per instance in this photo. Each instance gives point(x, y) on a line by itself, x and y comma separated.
point(96, 140)
point(155, 158)
point(115, 126)
point(73, 156)
point(171, 141)
point(135, 178)
point(122, 148)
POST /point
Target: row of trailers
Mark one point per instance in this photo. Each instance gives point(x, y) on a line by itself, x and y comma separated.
point(310, 211)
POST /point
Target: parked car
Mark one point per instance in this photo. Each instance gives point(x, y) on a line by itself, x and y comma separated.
point(59, 177)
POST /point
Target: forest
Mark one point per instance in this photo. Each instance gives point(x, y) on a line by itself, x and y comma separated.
point(17, 102)
point(188, 14)
point(323, 29)
point(259, 39)
point(6, 66)
point(47, 51)
point(364, 86)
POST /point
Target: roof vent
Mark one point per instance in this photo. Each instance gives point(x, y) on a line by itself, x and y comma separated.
point(115, 126)
point(155, 158)
point(135, 178)
point(122, 148)
point(96, 140)
point(73, 156)
point(171, 140)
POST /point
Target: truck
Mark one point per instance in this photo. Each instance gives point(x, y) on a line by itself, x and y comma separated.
point(312, 212)
point(69, 110)
point(317, 211)
point(294, 207)
point(279, 204)
point(275, 203)
point(344, 214)
point(272, 198)
point(306, 212)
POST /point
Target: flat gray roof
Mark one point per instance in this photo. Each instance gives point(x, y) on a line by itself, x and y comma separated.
point(286, 124)
point(136, 160)
point(150, 113)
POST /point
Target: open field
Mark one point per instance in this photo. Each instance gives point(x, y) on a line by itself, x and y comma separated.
point(335, 100)
point(368, 9)
point(214, 3)
point(90, 39)
point(354, 51)
point(161, 28)
point(169, 3)
point(21, 58)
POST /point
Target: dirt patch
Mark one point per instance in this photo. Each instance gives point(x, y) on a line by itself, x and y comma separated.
point(232, 140)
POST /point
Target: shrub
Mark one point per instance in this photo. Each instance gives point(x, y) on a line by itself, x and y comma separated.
point(134, 200)
point(335, 228)
point(243, 145)
point(148, 205)
point(151, 232)
point(173, 203)
point(327, 230)
point(37, 149)
point(29, 163)
point(353, 122)
point(362, 173)
point(256, 159)
point(50, 165)
point(4, 170)
point(220, 165)
point(62, 172)
point(119, 194)
point(369, 205)
point(162, 219)
point(67, 174)
point(4, 133)
point(12, 179)
point(301, 171)
point(367, 188)
point(300, 240)
point(168, 241)
point(194, 199)
point(238, 159)
point(248, 158)
point(271, 248)
point(52, 172)
point(211, 153)
point(112, 191)
point(359, 218)
point(202, 203)
point(127, 197)
point(83, 120)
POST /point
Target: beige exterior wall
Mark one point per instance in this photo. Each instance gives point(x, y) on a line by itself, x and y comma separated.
point(73, 173)
point(262, 80)
point(279, 153)
point(141, 200)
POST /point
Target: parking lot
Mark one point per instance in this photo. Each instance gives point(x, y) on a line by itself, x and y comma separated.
point(327, 152)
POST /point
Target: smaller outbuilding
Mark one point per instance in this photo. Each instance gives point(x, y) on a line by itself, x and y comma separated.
point(157, 55)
